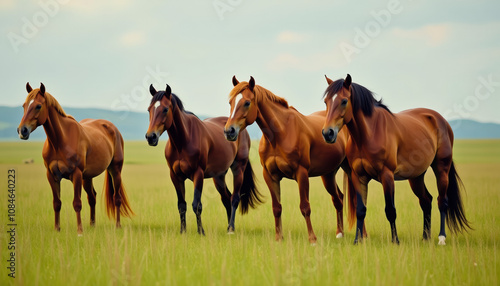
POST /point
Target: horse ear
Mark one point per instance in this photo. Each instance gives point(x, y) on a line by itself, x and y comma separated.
point(168, 91)
point(152, 90)
point(42, 89)
point(251, 83)
point(28, 87)
point(235, 81)
point(329, 81)
point(347, 81)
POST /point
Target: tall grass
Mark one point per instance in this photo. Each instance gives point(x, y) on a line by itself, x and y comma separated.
point(149, 250)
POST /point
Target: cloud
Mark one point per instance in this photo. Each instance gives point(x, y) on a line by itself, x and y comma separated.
point(433, 35)
point(290, 37)
point(311, 62)
point(6, 5)
point(132, 38)
point(91, 6)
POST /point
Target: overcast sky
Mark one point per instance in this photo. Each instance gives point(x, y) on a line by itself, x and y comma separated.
point(443, 55)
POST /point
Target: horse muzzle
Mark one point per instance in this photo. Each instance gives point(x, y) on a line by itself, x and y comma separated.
point(24, 132)
point(152, 138)
point(330, 134)
point(231, 133)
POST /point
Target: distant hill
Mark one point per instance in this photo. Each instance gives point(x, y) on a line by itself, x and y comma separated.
point(132, 125)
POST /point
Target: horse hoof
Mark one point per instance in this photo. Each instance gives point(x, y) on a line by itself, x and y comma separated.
point(442, 240)
point(340, 235)
point(230, 232)
point(80, 234)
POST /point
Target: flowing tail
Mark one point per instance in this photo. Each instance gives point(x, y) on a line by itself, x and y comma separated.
point(109, 191)
point(249, 194)
point(351, 193)
point(455, 216)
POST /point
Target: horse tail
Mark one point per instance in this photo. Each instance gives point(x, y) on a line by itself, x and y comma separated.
point(249, 194)
point(109, 192)
point(351, 193)
point(455, 216)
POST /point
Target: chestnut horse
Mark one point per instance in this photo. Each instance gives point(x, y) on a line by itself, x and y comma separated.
point(77, 151)
point(291, 147)
point(387, 147)
point(196, 150)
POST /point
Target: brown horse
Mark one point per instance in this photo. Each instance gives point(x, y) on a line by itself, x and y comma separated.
point(77, 152)
point(387, 147)
point(291, 147)
point(196, 150)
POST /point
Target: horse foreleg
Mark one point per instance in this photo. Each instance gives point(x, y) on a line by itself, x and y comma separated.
point(55, 185)
point(76, 178)
point(337, 198)
point(181, 199)
point(302, 178)
point(361, 187)
point(91, 197)
point(274, 189)
point(387, 179)
point(197, 206)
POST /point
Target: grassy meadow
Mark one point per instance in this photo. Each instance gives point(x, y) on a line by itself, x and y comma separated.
point(149, 250)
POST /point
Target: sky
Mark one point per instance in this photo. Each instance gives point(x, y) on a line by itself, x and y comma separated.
point(443, 55)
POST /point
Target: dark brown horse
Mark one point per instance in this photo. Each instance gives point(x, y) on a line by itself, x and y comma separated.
point(291, 147)
point(387, 147)
point(196, 150)
point(77, 151)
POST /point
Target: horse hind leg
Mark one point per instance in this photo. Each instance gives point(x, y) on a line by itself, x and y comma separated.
point(425, 199)
point(337, 199)
point(441, 169)
point(116, 184)
point(91, 197)
point(225, 195)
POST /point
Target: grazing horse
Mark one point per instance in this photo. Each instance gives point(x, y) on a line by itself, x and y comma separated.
point(196, 150)
point(387, 147)
point(77, 151)
point(291, 147)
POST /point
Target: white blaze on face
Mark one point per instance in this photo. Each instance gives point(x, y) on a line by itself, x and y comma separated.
point(31, 102)
point(236, 100)
point(333, 98)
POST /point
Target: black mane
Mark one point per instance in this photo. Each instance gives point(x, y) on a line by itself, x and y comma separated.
point(176, 101)
point(361, 98)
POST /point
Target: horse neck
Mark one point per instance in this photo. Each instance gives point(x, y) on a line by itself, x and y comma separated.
point(178, 130)
point(271, 117)
point(359, 128)
point(55, 127)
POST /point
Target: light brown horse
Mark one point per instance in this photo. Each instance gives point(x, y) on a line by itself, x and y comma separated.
point(196, 150)
point(77, 151)
point(387, 147)
point(291, 147)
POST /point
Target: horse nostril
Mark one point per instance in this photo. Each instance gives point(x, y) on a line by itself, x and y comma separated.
point(24, 131)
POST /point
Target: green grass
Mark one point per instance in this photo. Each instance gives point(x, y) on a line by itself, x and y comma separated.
point(149, 250)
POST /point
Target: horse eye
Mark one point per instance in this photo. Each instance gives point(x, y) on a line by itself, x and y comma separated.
point(38, 107)
point(343, 103)
point(247, 104)
point(165, 110)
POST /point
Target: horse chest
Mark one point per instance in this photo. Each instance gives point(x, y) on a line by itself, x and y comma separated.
point(279, 166)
